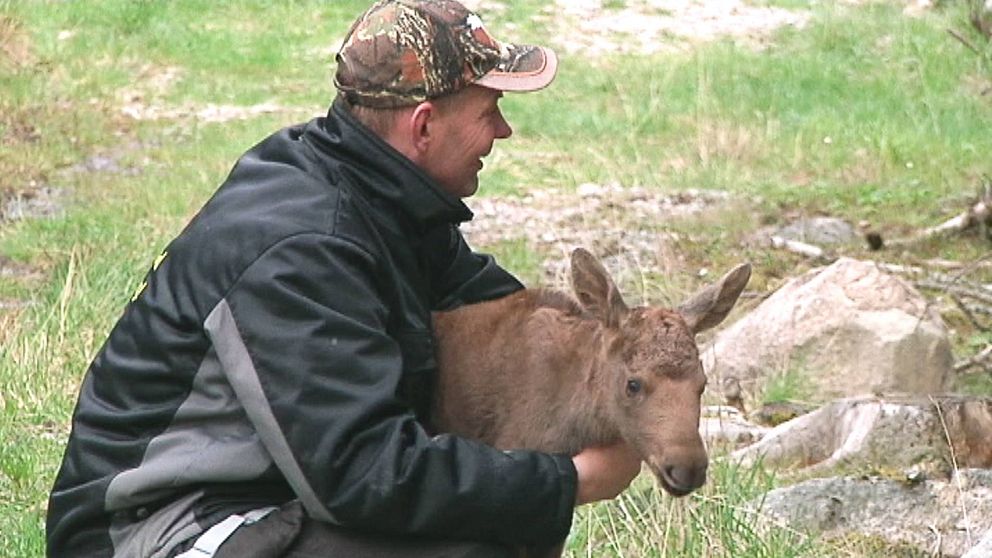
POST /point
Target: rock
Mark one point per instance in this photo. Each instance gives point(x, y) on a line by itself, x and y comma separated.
point(983, 549)
point(892, 434)
point(733, 395)
point(777, 412)
point(34, 202)
point(726, 426)
point(917, 8)
point(818, 231)
point(847, 329)
point(939, 517)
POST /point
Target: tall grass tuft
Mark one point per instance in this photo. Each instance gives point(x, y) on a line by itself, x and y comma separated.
point(722, 520)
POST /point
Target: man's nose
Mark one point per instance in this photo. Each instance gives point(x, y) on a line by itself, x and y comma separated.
point(503, 129)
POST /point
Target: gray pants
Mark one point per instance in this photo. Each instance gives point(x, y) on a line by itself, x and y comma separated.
point(288, 533)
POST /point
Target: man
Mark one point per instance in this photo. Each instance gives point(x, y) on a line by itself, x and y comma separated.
point(266, 391)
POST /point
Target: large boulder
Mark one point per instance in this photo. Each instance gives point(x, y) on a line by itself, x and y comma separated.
point(848, 329)
point(941, 517)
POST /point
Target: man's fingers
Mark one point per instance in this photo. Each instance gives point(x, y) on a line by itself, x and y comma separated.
point(605, 471)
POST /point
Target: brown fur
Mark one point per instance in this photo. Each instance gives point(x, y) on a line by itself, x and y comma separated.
point(538, 370)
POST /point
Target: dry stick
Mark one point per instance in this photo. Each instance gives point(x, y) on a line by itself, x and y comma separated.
point(976, 360)
point(956, 473)
point(951, 265)
point(977, 214)
point(967, 313)
point(964, 41)
point(959, 223)
point(938, 540)
point(802, 248)
point(955, 288)
point(951, 284)
point(979, 309)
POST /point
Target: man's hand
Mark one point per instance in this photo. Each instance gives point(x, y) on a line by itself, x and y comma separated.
point(605, 471)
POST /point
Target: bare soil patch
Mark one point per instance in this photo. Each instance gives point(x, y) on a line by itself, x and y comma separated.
point(646, 26)
point(625, 227)
point(33, 201)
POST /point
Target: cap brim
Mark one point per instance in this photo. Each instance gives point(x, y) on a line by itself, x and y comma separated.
point(522, 68)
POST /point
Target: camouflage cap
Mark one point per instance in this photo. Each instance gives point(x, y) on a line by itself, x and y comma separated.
point(403, 52)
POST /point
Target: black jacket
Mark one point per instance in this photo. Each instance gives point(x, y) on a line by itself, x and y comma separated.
point(281, 348)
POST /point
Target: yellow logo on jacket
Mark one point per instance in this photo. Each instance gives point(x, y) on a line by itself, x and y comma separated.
point(144, 284)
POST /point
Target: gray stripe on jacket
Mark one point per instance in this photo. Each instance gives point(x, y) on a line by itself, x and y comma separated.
point(241, 373)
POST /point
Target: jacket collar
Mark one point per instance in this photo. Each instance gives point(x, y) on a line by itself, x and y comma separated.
point(383, 172)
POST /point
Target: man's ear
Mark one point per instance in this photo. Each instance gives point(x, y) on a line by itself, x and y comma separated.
point(419, 131)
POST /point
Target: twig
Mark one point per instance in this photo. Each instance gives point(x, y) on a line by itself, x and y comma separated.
point(967, 313)
point(979, 359)
point(802, 248)
point(956, 471)
point(938, 540)
point(979, 309)
point(964, 41)
point(982, 296)
point(952, 265)
point(970, 298)
point(953, 285)
point(979, 214)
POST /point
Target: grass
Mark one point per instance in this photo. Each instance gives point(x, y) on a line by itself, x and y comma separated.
point(863, 113)
point(720, 521)
point(791, 384)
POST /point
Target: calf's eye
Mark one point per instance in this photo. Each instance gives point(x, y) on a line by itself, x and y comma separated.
point(633, 387)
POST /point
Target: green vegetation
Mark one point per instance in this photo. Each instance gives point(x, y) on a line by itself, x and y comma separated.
point(789, 384)
point(717, 521)
point(862, 113)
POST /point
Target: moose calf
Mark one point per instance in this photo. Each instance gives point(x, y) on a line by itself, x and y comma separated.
point(538, 370)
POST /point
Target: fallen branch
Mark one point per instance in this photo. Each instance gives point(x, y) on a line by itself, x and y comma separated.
point(938, 280)
point(964, 41)
point(978, 215)
point(954, 265)
point(795, 246)
point(981, 18)
point(975, 292)
point(967, 311)
point(971, 298)
point(980, 359)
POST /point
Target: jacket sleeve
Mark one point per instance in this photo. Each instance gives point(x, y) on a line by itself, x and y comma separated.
point(463, 276)
point(302, 340)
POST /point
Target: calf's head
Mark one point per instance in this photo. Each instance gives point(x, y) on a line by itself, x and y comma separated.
point(652, 370)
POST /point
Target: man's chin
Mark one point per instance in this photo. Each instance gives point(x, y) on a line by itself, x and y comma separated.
point(463, 190)
point(469, 189)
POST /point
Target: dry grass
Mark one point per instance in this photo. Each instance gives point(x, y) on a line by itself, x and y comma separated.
point(15, 48)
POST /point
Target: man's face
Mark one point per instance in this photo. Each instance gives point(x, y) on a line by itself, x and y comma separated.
point(463, 130)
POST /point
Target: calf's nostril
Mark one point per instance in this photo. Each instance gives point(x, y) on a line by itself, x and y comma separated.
point(684, 478)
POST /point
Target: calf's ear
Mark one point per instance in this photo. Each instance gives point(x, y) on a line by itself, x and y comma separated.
point(595, 289)
point(710, 305)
